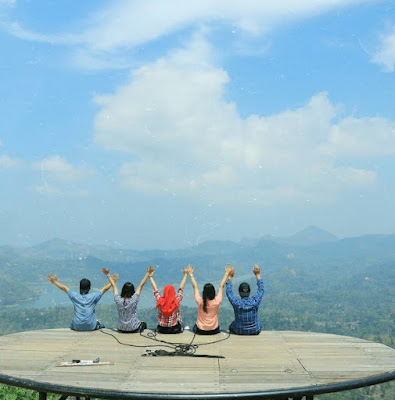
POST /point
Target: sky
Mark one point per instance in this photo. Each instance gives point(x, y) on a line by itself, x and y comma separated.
point(162, 124)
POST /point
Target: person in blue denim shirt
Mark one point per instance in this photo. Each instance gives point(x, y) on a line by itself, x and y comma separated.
point(245, 307)
point(84, 303)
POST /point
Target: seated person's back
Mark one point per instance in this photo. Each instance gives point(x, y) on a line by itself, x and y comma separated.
point(245, 307)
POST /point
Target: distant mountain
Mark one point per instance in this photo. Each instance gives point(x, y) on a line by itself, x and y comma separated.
point(310, 248)
point(59, 248)
point(299, 262)
point(309, 236)
point(66, 249)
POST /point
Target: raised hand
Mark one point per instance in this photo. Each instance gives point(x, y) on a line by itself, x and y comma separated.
point(115, 277)
point(228, 268)
point(189, 269)
point(52, 278)
point(256, 269)
point(151, 270)
point(105, 270)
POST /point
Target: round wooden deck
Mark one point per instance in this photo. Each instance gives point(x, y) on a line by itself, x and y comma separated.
point(275, 364)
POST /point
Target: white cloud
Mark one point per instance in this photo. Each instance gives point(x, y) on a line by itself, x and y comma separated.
point(385, 55)
point(48, 190)
point(131, 23)
point(185, 138)
point(18, 31)
point(361, 137)
point(56, 169)
point(8, 162)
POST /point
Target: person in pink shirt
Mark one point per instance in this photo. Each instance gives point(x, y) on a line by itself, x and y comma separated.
point(208, 304)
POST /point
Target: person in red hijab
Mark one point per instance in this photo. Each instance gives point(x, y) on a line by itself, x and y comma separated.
point(168, 305)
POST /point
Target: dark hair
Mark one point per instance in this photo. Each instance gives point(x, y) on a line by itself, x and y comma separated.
point(85, 285)
point(208, 294)
point(244, 289)
point(127, 290)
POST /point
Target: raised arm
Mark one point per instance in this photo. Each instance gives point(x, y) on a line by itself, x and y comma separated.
point(184, 278)
point(106, 272)
point(193, 281)
point(256, 299)
point(228, 270)
point(112, 279)
point(150, 270)
point(151, 279)
point(53, 279)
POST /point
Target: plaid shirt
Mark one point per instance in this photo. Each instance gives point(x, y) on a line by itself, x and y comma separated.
point(175, 317)
point(246, 310)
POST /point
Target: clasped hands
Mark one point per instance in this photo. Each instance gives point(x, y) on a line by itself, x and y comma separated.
point(229, 270)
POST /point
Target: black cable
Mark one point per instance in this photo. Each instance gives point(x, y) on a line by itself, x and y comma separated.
point(153, 336)
point(179, 349)
point(129, 344)
point(216, 341)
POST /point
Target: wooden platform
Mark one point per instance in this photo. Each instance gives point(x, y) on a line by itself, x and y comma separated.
point(271, 365)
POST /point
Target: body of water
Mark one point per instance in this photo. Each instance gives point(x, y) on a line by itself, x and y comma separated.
point(52, 296)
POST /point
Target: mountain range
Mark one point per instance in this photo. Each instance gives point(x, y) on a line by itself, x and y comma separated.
point(308, 260)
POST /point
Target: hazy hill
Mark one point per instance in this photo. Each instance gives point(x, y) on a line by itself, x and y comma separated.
point(309, 248)
point(310, 258)
point(309, 236)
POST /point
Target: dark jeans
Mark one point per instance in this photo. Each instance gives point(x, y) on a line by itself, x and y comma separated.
point(97, 327)
point(242, 333)
point(170, 329)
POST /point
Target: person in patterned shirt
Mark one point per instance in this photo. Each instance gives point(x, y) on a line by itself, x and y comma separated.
point(128, 321)
point(245, 307)
point(168, 305)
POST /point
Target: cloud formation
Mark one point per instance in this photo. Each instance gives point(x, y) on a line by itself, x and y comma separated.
point(385, 55)
point(8, 162)
point(132, 23)
point(58, 176)
point(185, 138)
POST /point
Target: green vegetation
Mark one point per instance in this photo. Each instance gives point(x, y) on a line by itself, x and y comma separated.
point(15, 393)
point(11, 292)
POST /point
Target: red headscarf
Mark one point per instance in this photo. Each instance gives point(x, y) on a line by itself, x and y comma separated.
point(168, 302)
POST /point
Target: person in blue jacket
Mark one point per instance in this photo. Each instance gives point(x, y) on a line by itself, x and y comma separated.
point(245, 307)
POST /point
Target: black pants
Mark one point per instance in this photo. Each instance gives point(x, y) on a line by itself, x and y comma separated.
point(142, 326)
point(202, 332)
point(170, 329)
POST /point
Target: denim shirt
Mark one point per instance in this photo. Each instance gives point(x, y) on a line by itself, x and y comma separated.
point(84, 310)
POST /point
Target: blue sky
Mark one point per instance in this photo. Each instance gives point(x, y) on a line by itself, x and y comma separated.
point(162, 124)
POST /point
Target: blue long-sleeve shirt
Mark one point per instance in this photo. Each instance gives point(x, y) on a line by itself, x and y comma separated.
point(246, 310)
